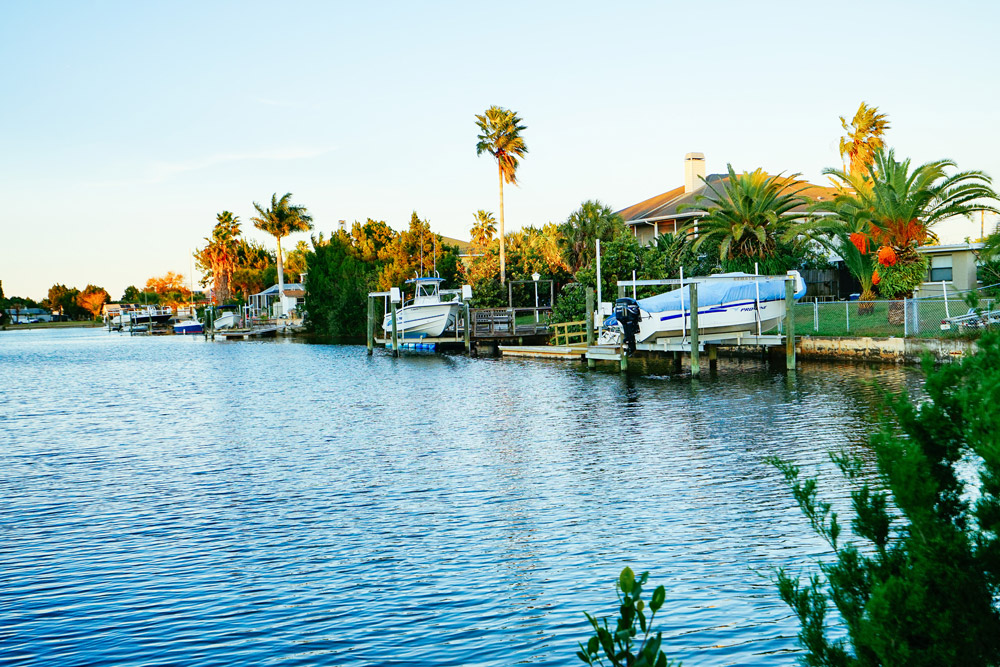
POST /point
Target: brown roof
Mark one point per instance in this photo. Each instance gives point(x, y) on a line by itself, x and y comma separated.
point(295, 292)
point(664, 206)
point(463, 246)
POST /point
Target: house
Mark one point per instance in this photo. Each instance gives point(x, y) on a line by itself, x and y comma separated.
point(28, 315)
point(292, 300)
point(662, 214)
point(954, 265)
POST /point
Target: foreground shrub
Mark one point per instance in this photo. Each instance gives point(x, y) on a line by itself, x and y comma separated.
point(920, 588)
point(619, 646)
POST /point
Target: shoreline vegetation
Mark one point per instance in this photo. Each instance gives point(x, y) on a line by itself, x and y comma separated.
point(883, 209)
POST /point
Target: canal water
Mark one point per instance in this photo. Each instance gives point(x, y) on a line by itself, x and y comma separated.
point(167, 500)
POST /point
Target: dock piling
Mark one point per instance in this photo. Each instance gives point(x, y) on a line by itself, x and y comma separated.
point(467, 327)
point(713, 358)
point(789, 323)
point(695, 365)
point(591, 363)
point(395, 333)
point(371, 325)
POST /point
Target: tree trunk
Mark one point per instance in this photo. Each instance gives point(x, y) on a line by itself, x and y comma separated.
point(503, 254)
point(281, 280)
point(866, 307)
point(897, 310)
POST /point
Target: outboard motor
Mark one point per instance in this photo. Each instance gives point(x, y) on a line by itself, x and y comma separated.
point(627, 314)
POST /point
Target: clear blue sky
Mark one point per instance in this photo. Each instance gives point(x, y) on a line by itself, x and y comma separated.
point(126, 126)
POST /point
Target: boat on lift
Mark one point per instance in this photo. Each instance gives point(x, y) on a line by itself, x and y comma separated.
point(427, 314)
point(727, 303)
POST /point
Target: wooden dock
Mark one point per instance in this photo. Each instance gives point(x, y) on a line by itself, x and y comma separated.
point(248, 334)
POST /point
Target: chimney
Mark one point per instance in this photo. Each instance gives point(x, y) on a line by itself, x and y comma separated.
point(694, 166)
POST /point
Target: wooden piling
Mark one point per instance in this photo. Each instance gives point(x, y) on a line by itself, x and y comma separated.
point(695, 365)
point(591, 363)
point(468, 330)
point(371, 325)
point(677, 362)
point(395, 334)
point(789, 323)
point(623, 359)
point(713, 358)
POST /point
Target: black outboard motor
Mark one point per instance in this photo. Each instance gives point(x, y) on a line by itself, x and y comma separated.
point(627, 314)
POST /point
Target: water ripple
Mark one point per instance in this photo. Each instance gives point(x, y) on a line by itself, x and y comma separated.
point(174, 501)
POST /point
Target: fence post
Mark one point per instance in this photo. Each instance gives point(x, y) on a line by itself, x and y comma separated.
point(915, 327)
point(695, 366)
point(847, 314)
point(816, 316)
point(906, 317)
point(590, 325)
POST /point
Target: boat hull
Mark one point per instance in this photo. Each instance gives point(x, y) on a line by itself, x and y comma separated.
point(422, 321)
point(734, 317)
point(187, 328)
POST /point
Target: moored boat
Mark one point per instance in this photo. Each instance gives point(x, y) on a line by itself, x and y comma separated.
point(727, 303)
point(426, 315)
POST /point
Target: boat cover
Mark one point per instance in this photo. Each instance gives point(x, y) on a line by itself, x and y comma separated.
point(717, 292)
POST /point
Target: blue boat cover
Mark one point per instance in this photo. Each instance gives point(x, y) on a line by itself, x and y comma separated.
point(717, 292)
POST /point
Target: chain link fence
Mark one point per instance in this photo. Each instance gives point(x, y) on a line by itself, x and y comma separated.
point(927, 317)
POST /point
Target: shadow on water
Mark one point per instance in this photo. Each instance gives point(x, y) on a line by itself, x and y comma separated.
point(177, 500)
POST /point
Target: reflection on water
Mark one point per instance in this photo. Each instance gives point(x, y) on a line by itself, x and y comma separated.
point(172, 500)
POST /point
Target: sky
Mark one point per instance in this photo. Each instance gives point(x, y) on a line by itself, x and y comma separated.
point(125, 127)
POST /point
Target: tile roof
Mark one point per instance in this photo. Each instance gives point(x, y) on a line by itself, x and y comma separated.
point(664, 206)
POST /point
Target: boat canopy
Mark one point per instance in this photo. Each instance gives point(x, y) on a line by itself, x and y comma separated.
point(718, 291)
point(435, 279)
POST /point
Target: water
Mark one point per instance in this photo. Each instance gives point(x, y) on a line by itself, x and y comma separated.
point(166, 500)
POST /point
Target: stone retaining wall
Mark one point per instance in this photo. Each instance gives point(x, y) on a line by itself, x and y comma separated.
point(889, 350)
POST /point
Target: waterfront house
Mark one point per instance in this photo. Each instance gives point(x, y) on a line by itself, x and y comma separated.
point(955, 265)
point(293, 299)
point(28, 315)
point(661, 214)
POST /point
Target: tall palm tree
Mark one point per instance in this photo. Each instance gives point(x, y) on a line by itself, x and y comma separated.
point(279, 220)
point(892, 205)
point(225, 238)
point(748, 214)
point(864, 138)
point(484, 229)
point(501, 137)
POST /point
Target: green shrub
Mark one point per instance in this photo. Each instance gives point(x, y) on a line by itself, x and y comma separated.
point(571, 304)
point(619, 647)
point(921, 587)
point(899, 280)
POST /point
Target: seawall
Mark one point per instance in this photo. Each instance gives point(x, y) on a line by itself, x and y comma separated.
point(887, 350)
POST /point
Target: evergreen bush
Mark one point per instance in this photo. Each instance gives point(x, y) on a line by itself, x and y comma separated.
point(921, 585)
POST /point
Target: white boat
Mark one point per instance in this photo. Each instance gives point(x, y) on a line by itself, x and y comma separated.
point(727, 303)
point(187, 327)
point(426, 315)
point(141, 315)
point(226, 317)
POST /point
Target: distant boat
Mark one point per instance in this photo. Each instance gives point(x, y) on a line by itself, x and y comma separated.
point(727, 303)
point(143, 315)
point(426, 315)
point(226, 317)
point(187, 327)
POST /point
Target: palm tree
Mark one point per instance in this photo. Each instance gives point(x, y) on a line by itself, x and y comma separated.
point(896, 207)
point(501, 137)
point(864, 138)
point(592, 221)
point(225, 238)
point(280, 220)
point(483, 229)
point(748, 216)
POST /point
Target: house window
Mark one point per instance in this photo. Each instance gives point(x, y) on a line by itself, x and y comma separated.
point(940, 268)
